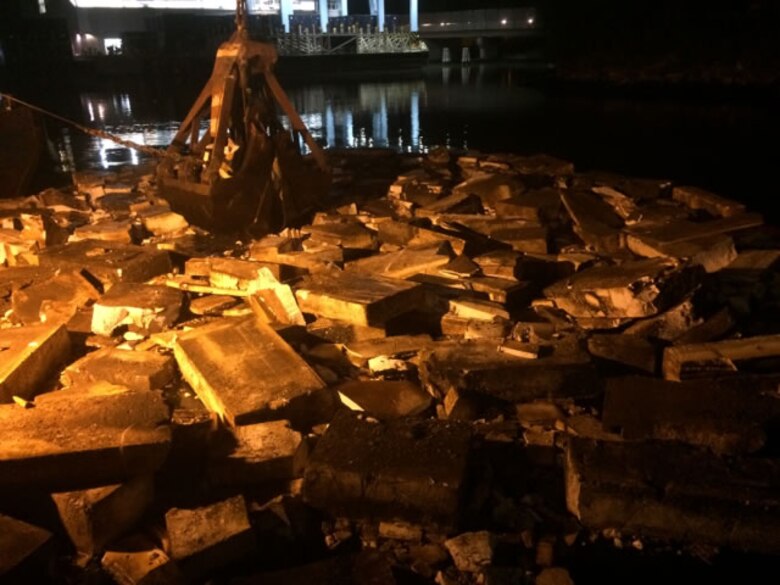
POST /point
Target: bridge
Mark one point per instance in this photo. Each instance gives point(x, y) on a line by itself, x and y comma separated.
point(449, 33)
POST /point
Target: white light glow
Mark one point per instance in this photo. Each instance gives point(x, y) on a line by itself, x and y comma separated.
point(504, 21)
point(531, 20)
point(265, 6)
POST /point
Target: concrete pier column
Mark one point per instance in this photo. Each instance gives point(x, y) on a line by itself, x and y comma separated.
point(323, 8)
point(465, 55)
point(414, 115)
point(380, 15)
point(344, 8)
point(286, 10)
point(330, 126)
point(445, 55)
point(414, 16)
point(373, 7)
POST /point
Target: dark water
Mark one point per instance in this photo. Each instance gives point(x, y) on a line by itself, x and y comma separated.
point(725, 144)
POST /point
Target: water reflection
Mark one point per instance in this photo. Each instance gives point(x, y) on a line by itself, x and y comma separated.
point(486, 107)
point(370, 114)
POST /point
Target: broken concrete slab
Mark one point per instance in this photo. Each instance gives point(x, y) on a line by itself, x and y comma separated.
point(136, 370)
point(672, 491)
point(454, 326)
point(479, 367)
point(161, 221)
point(594, 221)
point(108, 262)
point(138, 561)
point(335, 331)
point(491, 187)
point(95, 517)
point(411, 235)
point(406, 262)
point(143, 308)
point(358, 298)
point(713, 328)
point(471, 551)
point(15, 250)
point(29, 356)
point(245, 373)
point(360, 352)
point(499, 264)
point(632, 289)
point(402, 469)
point(478, 310)
point(212, 305)
point(345, 234)
point(207, 538)
point(630, 350)
point(704, 360)
point(669, 325)
point(83, 437)
point(499, 290)
point(385, 399)
point(713, 252)
point(20, 547)
point(104, 231)
point(54, 300)
point(257, 454)
point(696, 198)
point(727, 415)
point(677, 232)
point(542, 205)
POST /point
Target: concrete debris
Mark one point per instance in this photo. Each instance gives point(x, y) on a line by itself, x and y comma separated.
point(54, 300)
point(30, 356)
point(245, 373)
point(258, 453)
point(95, 517)
point(404, 469)
point(136, 370)
point(461, 367)
point(143, 308)
point(685, 362)
point(138, 561)
point(207, 538)
point(22, 551)
point(358, 298)
point(111, 432)
point(471, 551)
point(647, 488)
point(385, 399)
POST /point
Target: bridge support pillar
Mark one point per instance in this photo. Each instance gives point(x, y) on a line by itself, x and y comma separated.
point(286, 10)
point(488, 48)
point(380, 15)
point(344, 8)
point(323, 10)
point(414, 9)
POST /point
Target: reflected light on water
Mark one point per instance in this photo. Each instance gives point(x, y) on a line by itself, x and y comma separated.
point(394, 114)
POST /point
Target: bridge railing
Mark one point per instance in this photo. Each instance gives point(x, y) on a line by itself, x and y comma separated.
point(478, 20)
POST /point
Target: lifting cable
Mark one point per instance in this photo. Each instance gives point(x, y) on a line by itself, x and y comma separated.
point(149, 150)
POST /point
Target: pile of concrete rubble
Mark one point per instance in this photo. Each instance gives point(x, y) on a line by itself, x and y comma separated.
point(462, 369)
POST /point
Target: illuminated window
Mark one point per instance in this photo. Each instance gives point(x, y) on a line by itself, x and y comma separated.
point(113, 46)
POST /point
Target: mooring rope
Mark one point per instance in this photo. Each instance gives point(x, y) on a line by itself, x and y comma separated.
point(149, 150)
